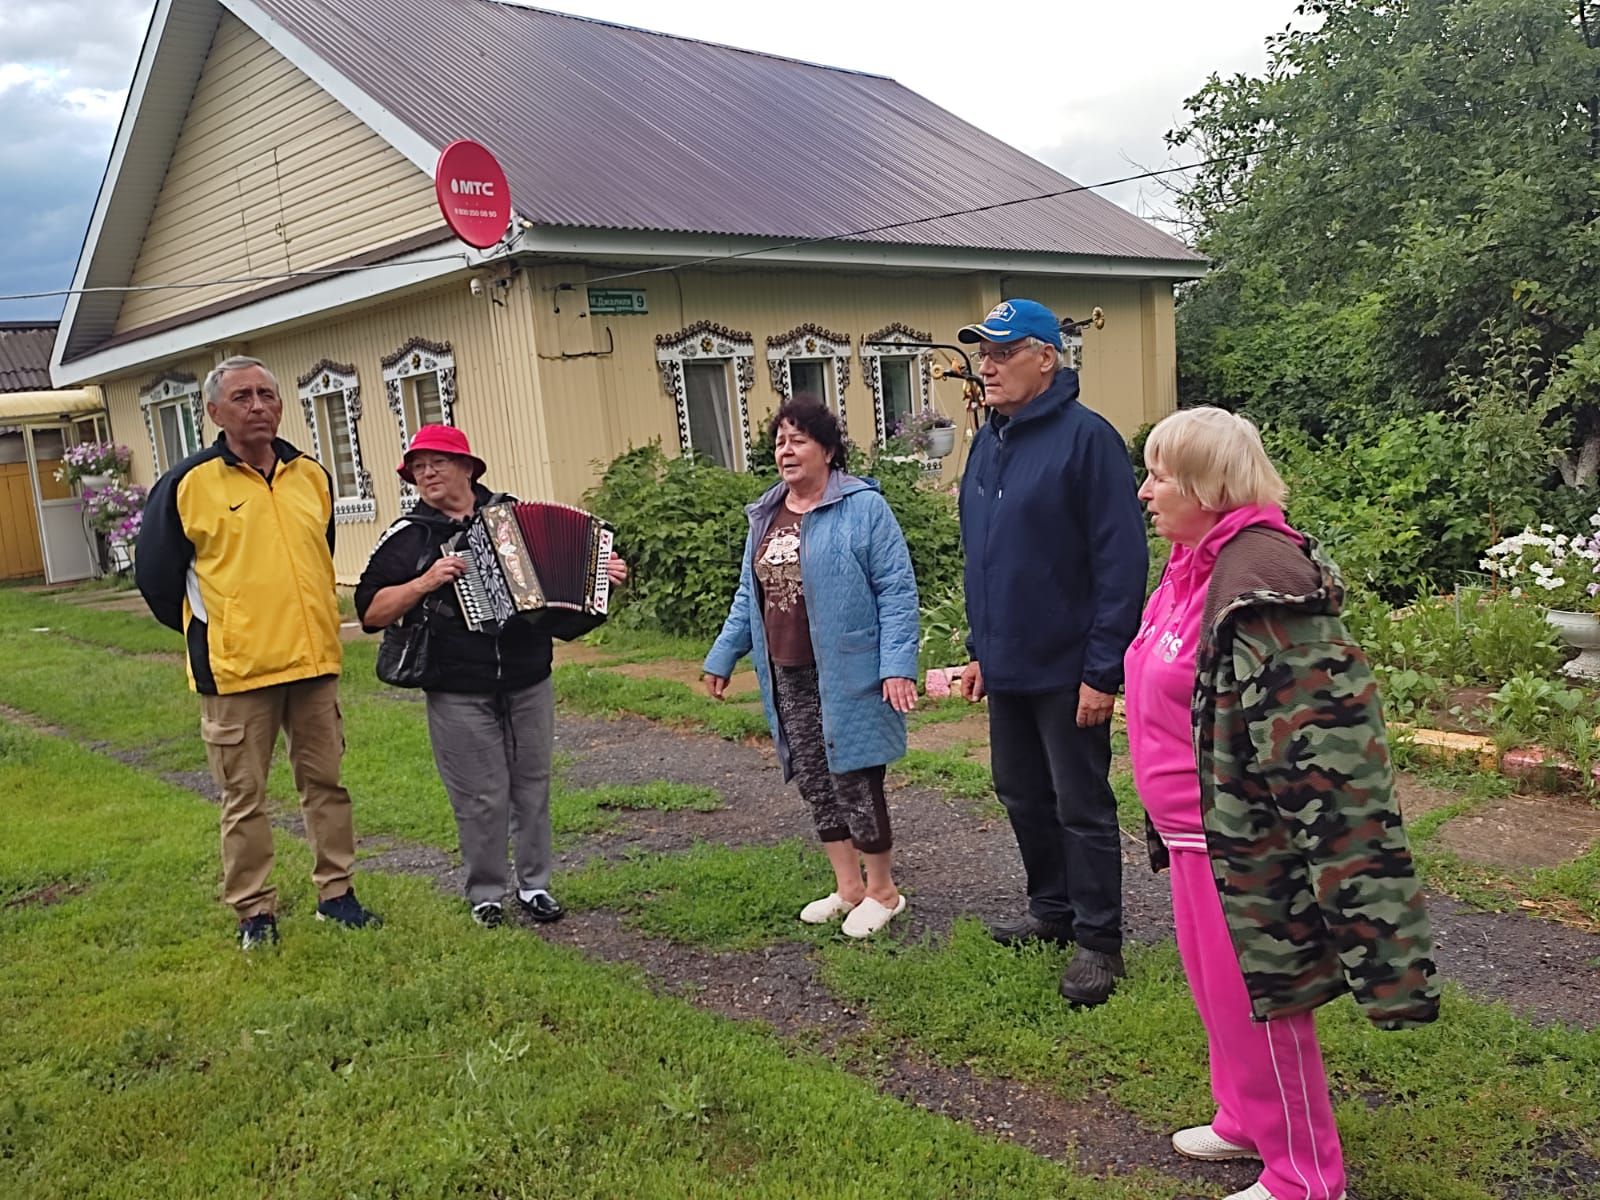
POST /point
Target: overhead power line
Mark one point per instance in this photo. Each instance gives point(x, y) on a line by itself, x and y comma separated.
point(715, 258)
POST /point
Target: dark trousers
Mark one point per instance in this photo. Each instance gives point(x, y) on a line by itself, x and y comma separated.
point(1054, 780)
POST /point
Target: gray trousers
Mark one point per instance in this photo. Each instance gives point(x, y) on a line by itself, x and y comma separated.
point(493, 752)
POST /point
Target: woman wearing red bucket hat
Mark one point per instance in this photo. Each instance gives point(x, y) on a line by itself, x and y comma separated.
point(491, 713)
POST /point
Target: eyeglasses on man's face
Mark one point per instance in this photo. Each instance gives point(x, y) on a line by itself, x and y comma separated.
point(1000, 354)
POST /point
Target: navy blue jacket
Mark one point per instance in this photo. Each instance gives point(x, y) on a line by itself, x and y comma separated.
point(1055, 546)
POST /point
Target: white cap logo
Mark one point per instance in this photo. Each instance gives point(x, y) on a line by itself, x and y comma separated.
point(1001, 312)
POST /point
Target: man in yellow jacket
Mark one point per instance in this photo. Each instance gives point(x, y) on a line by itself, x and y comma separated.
point(236, 553)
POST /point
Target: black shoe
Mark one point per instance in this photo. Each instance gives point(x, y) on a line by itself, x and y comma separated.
point(488, 914)
point(1092, 976)
point(1031, 928)
point(259, 930)
point(347, 910)
point(542, 907)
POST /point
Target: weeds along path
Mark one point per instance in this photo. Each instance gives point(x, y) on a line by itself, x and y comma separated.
point(684, 857)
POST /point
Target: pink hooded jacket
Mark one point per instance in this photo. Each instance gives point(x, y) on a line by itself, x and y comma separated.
point(1159, 673)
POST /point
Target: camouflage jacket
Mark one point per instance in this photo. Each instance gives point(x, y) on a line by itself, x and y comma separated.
point(1297, 797)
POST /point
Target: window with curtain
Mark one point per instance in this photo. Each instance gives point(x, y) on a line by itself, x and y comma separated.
point(899, 389)
point(423, 404)
point(710, 417)
point(338, 445)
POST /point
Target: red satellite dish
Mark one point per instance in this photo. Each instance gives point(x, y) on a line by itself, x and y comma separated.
point(473, 193)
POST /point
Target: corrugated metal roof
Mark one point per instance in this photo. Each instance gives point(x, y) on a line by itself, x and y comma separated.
point(608, 126)
point(25, 355)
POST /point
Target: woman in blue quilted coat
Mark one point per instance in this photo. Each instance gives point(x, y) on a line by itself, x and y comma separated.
point(827, 610)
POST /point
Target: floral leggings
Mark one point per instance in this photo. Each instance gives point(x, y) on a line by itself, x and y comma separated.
point(848, 806)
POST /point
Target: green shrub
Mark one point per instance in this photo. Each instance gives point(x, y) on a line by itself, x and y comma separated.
point(927, 516)
point(1443, 642)
point(942, 640)
point(681, 525)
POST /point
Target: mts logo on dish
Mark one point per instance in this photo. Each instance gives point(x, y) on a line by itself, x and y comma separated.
point(472, 187)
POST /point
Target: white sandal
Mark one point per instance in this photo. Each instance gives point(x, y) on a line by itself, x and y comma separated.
point(870, 916)
point(830, 908)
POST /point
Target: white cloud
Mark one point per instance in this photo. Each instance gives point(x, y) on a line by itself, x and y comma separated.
point(1088, 88)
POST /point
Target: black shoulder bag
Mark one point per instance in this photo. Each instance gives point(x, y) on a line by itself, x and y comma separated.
point(405, 657)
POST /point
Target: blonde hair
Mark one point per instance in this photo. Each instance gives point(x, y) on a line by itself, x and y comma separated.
point(1216, 458)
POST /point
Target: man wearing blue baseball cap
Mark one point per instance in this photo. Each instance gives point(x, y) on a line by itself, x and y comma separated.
point(1055, 577)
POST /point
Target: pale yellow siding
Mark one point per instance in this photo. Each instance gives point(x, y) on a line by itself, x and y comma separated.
point(598, 405)
point(270, 175)
point(548, 395)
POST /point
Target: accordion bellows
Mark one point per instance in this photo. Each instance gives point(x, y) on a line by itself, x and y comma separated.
point(540, 563)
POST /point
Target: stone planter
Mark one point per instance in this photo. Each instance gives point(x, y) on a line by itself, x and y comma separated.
point(941, 440)
point(95, 481)
point(1581, 630)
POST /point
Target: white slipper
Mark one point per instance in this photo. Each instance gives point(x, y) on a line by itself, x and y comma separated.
point(830, 908)
point(1258, 1191)
point(870, 916)
point(1206, 1144)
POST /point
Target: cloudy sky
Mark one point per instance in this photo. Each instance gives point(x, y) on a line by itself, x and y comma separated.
point(1090, 88)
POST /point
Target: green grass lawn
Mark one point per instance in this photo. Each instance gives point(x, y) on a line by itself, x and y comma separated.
point(141, 1056)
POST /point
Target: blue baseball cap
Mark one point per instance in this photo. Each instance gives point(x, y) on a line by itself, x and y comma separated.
point(1011, 320)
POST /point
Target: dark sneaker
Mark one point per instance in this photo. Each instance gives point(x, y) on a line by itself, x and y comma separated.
point(347, 910)
point(1028, 928)
point(259, 930)
point(1091, 977)
point(541, 907)
point(489, 914)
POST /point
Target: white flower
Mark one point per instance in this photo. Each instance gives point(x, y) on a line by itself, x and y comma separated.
point(1561, 539)
point(1547, 529)
point(1516, 593)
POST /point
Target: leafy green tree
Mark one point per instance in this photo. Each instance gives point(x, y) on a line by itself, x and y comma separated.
point(1404, 175)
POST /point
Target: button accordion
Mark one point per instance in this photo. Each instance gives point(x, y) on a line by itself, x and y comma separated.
point(541, 563)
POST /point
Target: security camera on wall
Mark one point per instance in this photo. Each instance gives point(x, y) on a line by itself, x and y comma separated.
point(476, 285)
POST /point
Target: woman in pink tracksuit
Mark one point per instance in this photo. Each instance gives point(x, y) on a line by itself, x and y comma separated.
point(1210, 482)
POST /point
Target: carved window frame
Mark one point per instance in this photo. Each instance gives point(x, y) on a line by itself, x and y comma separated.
point(326, 379)
point(810, 342)
point(706, 341)
point(1072, 349)
point(873, 350)
point(418, 357)
point(172, 387)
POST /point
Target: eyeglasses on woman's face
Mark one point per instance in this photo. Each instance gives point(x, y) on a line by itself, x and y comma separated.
point(428, 464)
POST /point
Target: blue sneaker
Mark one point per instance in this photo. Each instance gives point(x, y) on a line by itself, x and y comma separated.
point(259, 930)
point(347, 910)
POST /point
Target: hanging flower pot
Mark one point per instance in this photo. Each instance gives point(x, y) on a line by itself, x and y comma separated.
point(941, 441)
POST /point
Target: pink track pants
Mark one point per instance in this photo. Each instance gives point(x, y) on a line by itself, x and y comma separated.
point(1266, 1077)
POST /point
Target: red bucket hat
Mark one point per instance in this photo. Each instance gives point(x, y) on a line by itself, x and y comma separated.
point(445, 439)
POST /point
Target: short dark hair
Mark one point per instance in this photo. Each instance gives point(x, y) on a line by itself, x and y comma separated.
point(808, 414)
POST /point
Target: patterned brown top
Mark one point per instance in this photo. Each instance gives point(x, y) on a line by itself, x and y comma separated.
point(783, 600)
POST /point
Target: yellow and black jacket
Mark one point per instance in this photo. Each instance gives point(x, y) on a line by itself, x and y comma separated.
point(243, 568)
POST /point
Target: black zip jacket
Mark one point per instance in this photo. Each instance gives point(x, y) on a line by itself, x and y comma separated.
point(517, 657)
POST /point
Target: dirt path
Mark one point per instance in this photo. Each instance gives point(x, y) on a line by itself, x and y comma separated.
point(953, 863)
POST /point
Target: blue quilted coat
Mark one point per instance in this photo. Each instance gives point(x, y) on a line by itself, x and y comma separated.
point(861, 601)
